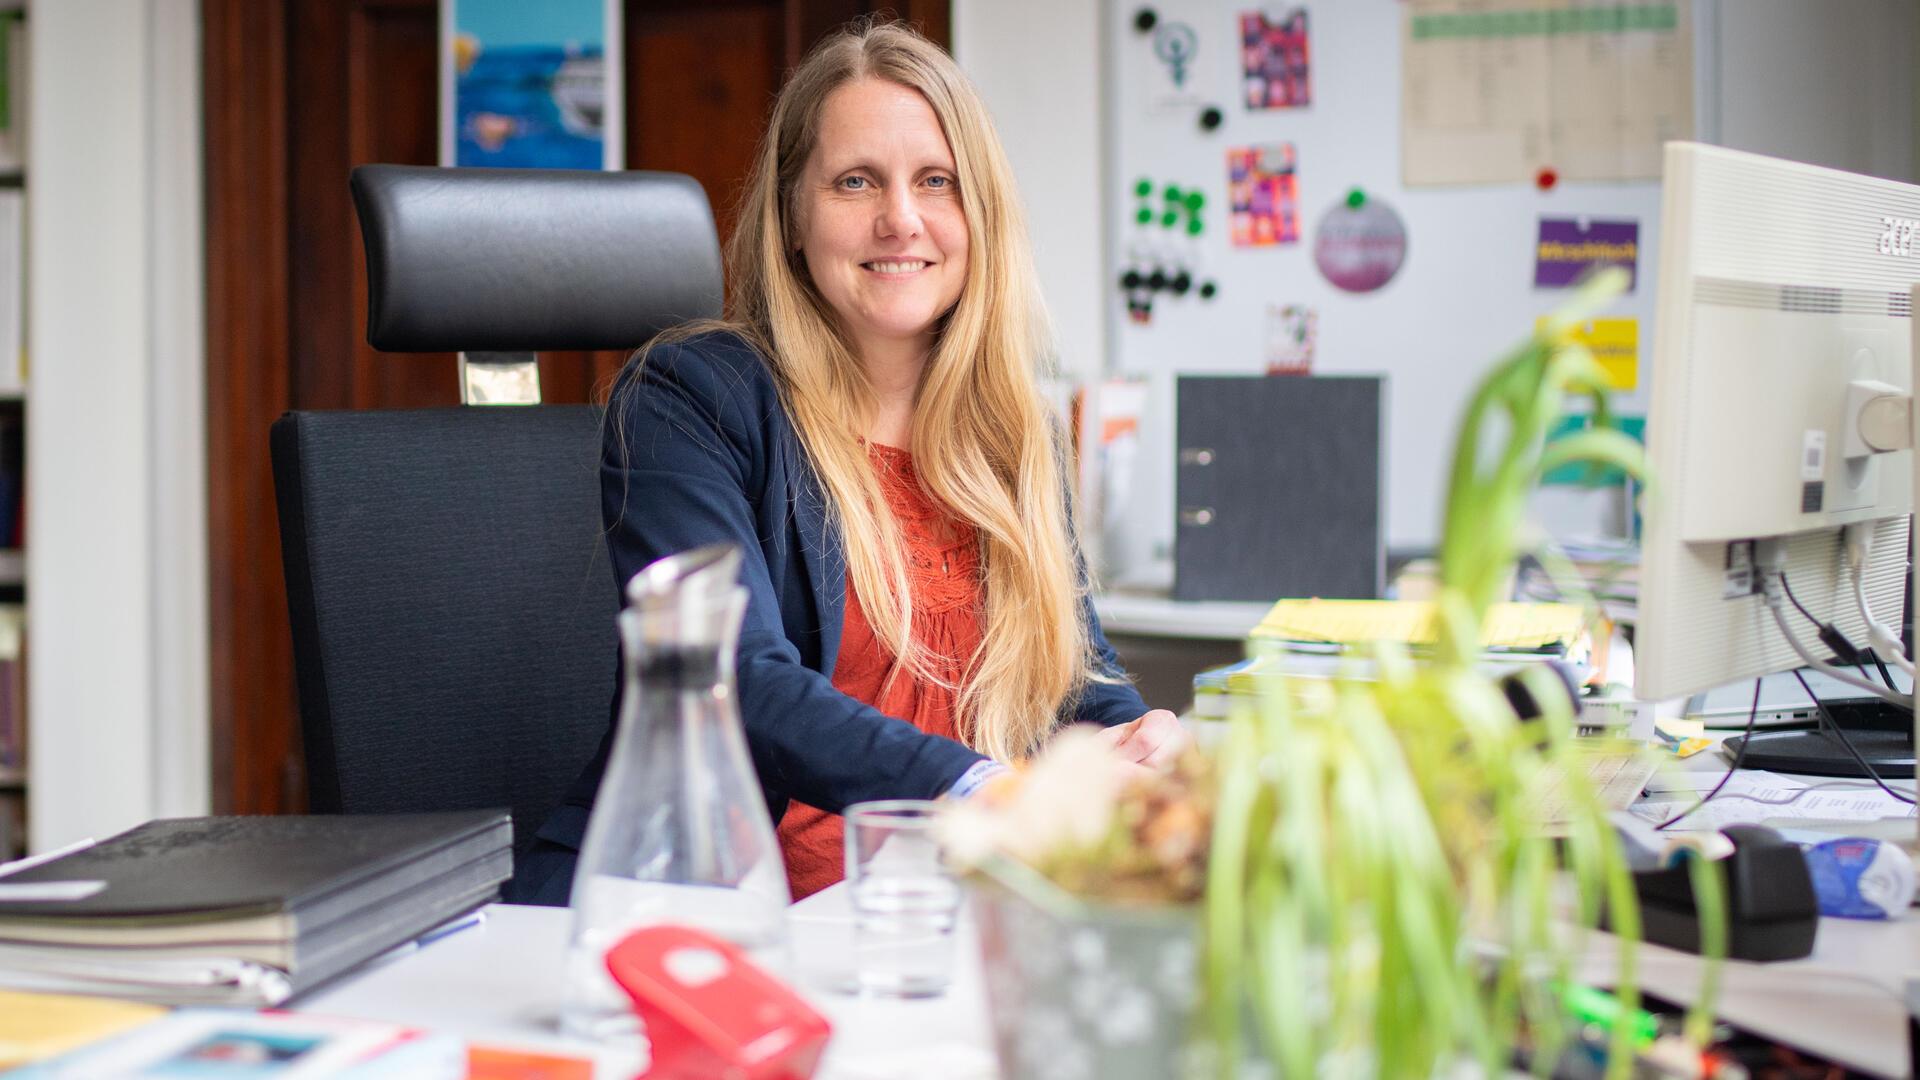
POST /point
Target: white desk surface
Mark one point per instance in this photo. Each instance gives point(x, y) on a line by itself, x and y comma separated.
point(500, 983)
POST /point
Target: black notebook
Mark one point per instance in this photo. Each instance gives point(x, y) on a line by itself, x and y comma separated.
point(306, 896)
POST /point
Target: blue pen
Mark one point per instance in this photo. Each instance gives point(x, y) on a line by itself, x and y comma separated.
point(470, 919)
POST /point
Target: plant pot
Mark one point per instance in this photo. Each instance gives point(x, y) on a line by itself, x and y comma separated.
point(1082, 991)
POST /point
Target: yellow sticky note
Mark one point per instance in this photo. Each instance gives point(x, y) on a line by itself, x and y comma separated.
point(1615, 343)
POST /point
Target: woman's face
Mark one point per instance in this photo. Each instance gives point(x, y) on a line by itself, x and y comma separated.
point(879, 215)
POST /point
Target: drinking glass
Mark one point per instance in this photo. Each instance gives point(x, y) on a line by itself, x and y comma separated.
point(905, 899)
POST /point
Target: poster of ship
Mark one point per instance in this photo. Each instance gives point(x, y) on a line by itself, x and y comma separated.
point(531, 86)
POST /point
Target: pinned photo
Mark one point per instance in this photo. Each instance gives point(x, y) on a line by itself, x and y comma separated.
point(1274, 60)
point(1262, 195)
point(1291, 331)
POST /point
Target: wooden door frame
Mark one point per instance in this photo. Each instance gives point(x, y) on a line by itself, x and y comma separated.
point(253, 714)
point(244, 58)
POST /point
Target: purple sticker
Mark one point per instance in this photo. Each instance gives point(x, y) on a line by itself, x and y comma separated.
point(1570, 247)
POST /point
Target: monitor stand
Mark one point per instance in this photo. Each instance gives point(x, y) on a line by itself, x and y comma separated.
point(1881, 733)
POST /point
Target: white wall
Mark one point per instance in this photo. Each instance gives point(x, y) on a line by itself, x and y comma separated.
point(1038, 66)
point(1827, 82)
point(116, 456)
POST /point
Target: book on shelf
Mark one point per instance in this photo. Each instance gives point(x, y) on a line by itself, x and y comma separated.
point(13, 293)
point(243, 910)
point(15, 58)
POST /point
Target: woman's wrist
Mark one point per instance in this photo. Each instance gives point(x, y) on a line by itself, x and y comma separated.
point(975, 778)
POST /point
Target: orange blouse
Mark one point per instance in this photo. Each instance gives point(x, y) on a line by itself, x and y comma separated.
point(943, 566)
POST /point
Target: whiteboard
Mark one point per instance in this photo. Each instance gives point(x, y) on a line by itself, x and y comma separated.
point(1464, 294)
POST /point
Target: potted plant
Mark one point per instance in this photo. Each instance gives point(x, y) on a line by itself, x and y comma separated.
point(1355, 880)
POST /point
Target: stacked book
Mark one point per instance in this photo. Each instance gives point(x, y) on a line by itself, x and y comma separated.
point(1324, 639)
point(243, 910)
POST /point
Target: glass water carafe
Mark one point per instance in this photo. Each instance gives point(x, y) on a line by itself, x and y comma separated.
point(679, 831)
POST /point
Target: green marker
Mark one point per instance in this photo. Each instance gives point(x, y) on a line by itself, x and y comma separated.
point(1602, 1010)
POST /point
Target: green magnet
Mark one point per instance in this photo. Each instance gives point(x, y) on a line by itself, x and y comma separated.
point(1173, 194)
point(1170, 219)
point(1356, 199)
point(1144, 216)
point(1143, 189)
point(1195, 227)
point(1195, 201)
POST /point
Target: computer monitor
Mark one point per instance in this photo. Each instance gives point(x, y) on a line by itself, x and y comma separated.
point(1783, 358)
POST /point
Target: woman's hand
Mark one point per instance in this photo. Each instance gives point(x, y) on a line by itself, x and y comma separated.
point(1154, 739)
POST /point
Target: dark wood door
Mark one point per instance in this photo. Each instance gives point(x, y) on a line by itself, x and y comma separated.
point(298, 92)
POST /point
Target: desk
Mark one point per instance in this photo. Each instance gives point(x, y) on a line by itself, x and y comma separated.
point(501, 982)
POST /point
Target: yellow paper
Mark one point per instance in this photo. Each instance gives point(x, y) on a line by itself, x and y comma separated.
point(1415, 622)
point(37, 1026)
point(1615, 343)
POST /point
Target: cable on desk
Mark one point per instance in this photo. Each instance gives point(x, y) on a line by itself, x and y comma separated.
point(1848, 785)
point(1753, 712)
point(1833, 727)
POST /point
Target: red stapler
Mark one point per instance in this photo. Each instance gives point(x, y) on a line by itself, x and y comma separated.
point(711, 1013)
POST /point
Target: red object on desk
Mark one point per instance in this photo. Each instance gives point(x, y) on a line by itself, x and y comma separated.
point(710, 1012)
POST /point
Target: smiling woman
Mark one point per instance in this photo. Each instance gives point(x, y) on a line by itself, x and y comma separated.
point(866, 424)
point(884, 235)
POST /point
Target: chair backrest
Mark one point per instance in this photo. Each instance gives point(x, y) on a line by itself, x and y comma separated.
point(451, 600)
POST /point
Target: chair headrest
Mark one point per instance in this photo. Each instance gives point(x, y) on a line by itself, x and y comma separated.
point(527, 260)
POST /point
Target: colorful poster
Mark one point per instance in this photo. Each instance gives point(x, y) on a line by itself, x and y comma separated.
point(1570, 247)
point(1615, 343)
point(1360, 244)
point(1273, 60)
point(531, 85)
point(1291, 331)
point(1263, 198)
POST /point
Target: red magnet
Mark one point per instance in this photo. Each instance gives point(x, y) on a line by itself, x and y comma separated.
point(1546, 179)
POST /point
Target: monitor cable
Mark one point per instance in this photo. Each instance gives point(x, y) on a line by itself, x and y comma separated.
point(1833, 728)
point(1843, 647)
point(1857, 544)
point(1773, 586)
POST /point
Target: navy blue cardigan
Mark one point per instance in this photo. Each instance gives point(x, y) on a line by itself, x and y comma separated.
point(699, 449)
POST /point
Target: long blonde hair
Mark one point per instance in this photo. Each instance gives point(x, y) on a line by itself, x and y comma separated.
point(985, 445)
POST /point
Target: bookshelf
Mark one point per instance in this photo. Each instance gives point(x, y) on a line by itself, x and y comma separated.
point(13, 422)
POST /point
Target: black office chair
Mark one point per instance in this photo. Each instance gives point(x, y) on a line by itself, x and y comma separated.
point(452, 605)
